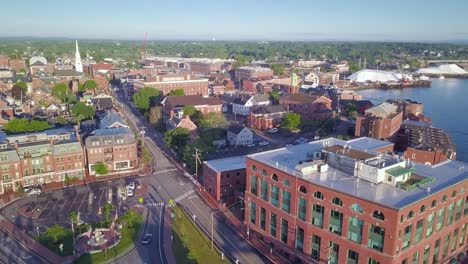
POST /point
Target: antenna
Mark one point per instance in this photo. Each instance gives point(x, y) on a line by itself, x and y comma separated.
point(143, 46)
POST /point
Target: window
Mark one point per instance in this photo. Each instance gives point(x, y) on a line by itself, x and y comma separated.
point(286, 183)
point(262, 218)
point(253, 212)
point(335, 250)
point(284, 231)
point(336, 222)
point(436, 251)
point(372, 261)
point(450, 214)
point(337, 201)
point(274, 195)
point(458, 214)
point(264, 173)
point(376, 237)
point(264, 190)
point(253, 185)
point(440, 219)
point(353, 257)
point(465, 211)
point(422, 209)
point(273, 225)
point(378, 215)
point(302, 212)
point(274, 177)
point(446, 245)
point(300, 239)
point(319, 195)
point(454, 241)
point(462, 235)
point(407, 237)
point(429, 224)
point(444, 199)
point(303, 189)
point(286, 201)
point(317, 215)
point(410, 215)
point(454, 193)
point(316, 241)
point(356, 208)
point(427, 250)
point(416, 257)
point(355, 229)
point(253, 168)
point(419, 231)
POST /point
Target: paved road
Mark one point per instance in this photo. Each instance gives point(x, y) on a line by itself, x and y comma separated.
point(13, 252)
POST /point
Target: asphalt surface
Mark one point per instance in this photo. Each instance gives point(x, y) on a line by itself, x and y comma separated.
point(12, 251)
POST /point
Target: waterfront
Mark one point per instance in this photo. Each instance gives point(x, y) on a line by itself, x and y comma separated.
point(445, 102)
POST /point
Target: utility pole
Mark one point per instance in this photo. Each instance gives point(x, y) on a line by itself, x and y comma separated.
point(197, 160)
point(212, 230)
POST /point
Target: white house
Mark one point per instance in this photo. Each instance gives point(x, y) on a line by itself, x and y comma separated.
point(238, 135)
point(242, 106)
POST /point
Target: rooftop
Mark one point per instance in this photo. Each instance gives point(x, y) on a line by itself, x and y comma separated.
point(227, 164)
point(428, 138)
point(250, 68)
point(382, 110)
point(438, 177)
point(302, 98)
point(185, 100)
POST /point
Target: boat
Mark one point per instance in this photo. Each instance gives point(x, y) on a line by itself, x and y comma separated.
point(441, 77)
point(423, 78)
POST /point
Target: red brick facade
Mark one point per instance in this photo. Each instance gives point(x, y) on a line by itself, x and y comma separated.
point(224, 186)
point(378, 128)
point(167, 83)
point(312, 108)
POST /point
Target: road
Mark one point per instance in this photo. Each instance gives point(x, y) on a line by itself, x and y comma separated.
point(168, 183)
point(13, 252)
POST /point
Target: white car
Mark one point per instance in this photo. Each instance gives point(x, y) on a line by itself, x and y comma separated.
point(130, 192)
point(251, 145)
point(35, 191)
point(273, 130)
point(131, 185)
point(264, 143)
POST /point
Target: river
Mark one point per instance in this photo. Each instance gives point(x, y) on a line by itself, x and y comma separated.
point(446, 102)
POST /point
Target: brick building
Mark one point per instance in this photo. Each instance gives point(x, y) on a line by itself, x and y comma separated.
point(248, 72)
point(256, 85)
point(4, 62)
point(170, 82)
point(425, 144)
point(18, 64)
point(412, 110)
point(225, 178)
point(204, 67)
point(333, 201)
point(174, 105)
point(115, 147)
point(310, 107)
point(266, 117)
point(380, 122)
point(38, 158)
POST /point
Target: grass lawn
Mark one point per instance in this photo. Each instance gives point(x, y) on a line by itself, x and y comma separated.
point(66, 239)
point(129, 236)
point(190, 246)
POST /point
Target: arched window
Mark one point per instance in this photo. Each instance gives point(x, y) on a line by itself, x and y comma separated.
point(318, 195)
point(254, 168)
point(454, 193)
point(434, 203)
point(274, 177)
point(303, 189)
point(462, 190)
point(444, 199)
point(264, 172)
point(378, 215)
point(356, 208)
point(423, 209)
point(286, 183)
point(410, 215)
point(337, 201)
point(401, 219)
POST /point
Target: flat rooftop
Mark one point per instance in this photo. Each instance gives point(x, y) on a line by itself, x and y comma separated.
point(227, 164)
point(444, 174)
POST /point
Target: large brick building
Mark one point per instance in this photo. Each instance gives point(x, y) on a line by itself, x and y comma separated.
point(380, 122)
point(310, 107)
point(115, 147)
point(256, 85)
point(174, 105)
point(248, 72)
point(333, 201)
point(38, 158)
point(202, 67)
point(170, 82)
point(266, 117)
point(411, 109)
point(225, 178)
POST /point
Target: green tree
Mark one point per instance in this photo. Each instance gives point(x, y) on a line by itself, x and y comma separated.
point(145, 98)
point(146, 157)
point(16, 126)
point(189, 110)
point(274, 96)
point(106, 210)
point(88, 85)
point(291, 121)
point(130, 216)
point(63, 93)
point(176, 92)
point(177, 138)
point(155, 115)
point(19, 89)
point(213, 120)
point(278, 69)
point(56, 232)
point(242, 60)
point(62, 120)
point(74, 217)
point(82, 111)
point(195, 115)
point(353, 67)
point(101, 169)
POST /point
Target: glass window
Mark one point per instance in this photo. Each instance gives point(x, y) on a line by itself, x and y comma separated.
point(410, 215)
point(302, 212)
point(353, 257)
point(335, 250)
point(253, 212)
point(286, 202)
point(435, 257)
point(459, 209)
point(450, 214)
point(433, 204)
point(337, 201)
point(274, 196)
point(319, 195)
point(336, 222)
point(422, 209)
point(378, 215)
point(444, 199)
point(454, 241)
point(355, 227)
point(273, 224)
point(440, 219)
point(264, 173)
point(300, 239)
point(356, 208)
point(419, 231)
point(317, 215)
point(372, 261)
point(284, 231)
point(286, 183)
point(429, 224)
point(253, 168)
point(462, 235)
point(446, 245)
point(262, 218)
point(427, 250)
point(315, 252)
point(303, 189)
point(264, 190)
point(253, 185)
point(274, 177)
point(454, 193)
point(416, 257)
point(376, 237)
point(407, 237)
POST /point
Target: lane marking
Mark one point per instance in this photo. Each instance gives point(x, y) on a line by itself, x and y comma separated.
point(165, 171)
point(160, 233)
point(81, 204)
point(183, 196)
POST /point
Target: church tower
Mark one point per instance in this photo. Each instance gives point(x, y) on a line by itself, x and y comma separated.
point(78, 64)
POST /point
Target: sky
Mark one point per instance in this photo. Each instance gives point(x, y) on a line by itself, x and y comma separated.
point(298, 20)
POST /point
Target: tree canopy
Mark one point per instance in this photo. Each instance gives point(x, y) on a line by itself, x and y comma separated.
point(63, 93)
point(274, 96)
point(22, 85)
point(189, 110)
point(291, 121)
point(82, 111)
point(145, 98)
point(278, 69)
point(242, 60)
point(177, 138)
point(101, 169)
point(88, 85)
point(176, 92)
point(213, 120)
point(18, 126)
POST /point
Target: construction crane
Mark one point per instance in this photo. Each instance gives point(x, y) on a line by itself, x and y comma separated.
point(143, 46)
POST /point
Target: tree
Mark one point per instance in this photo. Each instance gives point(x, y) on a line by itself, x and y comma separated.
point(353, 67)
point(19, 90)
point(195, 115)
point(130, 217)
point(74, 217)
point(242, 60)
point(278, 69)
point(63, 93)
point(88, 85)
point(291, 121)
point(213, 120)
point(176, 92)
point(145, 98)
point(101, 169)
point(56, 232)
point(106, 210)
point(146, 156)
point(82, 111)
point(177, 138)
point(155, 115)
point(16, 126)
point(189, 110)
point(274, 96)
point(351, 110)
point(62, 120)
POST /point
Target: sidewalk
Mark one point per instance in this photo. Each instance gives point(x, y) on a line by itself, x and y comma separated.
point(168, 237)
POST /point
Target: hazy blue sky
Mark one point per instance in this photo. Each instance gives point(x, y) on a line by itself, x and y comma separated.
point(381, 20)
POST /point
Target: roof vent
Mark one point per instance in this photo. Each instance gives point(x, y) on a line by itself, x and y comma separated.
point(428, 189)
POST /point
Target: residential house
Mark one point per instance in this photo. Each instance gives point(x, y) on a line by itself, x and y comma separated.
point(102, 102)
point(266, 117)
point(309, 106)
point(111, 119)
point(238, 135)
point(380, 122)
point(116, 147)
point(242, 105)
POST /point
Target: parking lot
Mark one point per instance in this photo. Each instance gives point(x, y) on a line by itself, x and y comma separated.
point(55, 207)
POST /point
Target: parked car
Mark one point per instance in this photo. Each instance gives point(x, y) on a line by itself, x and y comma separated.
point(34, 191)
point(147, 239)
point(131, 185)
point(130, 192)
point(251, 145)
point(273, 130)
point(264, 143)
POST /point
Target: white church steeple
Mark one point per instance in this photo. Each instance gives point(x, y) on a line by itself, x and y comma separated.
point(78, 64)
